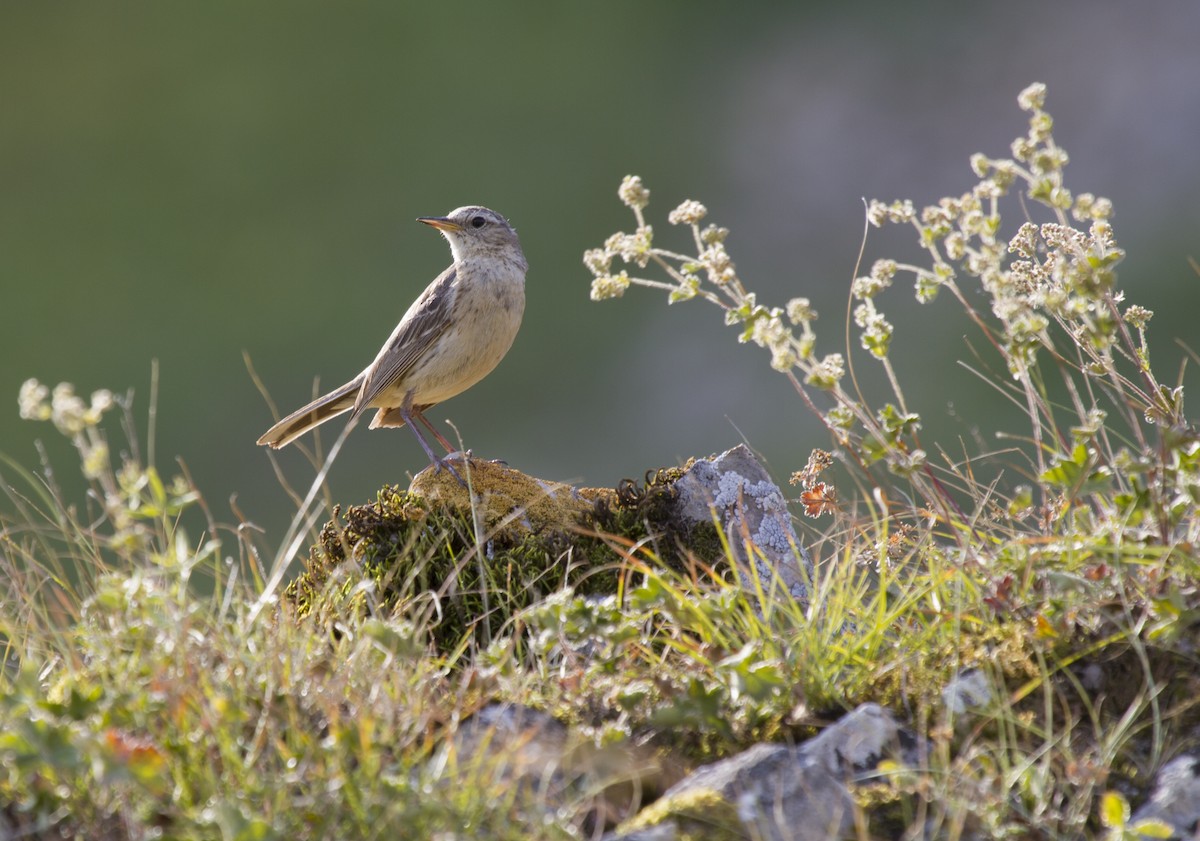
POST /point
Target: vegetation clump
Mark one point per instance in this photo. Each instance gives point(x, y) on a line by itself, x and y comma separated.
point(647, 513)
point(433, 561)
point(400, 554)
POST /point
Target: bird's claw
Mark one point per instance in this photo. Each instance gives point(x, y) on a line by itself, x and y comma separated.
point(440, 464)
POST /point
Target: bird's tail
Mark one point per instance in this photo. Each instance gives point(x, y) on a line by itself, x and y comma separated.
point(314, 414)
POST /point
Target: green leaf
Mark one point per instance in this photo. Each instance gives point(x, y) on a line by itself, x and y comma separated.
point(1151, 828)
point(897, 422)
point(1114, 810)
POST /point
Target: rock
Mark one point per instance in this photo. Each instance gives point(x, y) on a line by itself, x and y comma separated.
point(775, 792)
point(967, 691)
point(749, 508)
point(1175, 800)
point(521, 747)
point(471, 558)
point(753, 514)
point(857, 742)
point(770, 791)
point(526, 743)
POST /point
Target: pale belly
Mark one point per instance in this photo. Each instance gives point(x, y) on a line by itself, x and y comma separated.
point(467, 352)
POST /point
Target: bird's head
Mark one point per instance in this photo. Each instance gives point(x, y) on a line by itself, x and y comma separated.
point(474, 231)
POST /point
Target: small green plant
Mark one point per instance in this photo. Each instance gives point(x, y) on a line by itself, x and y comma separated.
point(1114, 816)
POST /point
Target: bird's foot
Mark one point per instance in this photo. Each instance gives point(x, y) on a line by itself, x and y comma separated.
point(440, 464)
point(446, 465)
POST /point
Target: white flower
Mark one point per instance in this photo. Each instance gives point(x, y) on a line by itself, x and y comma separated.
point(688, 213)
point(32, 400)
point(633, 193)
point(609, 286)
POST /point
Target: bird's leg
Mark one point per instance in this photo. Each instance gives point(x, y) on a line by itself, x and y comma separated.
point(441, 438)
point(450, 451)
point(408, 413)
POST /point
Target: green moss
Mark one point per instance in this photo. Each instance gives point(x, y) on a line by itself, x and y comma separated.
point(648, 511)
point(698, 813)
point(465, 564)
point(426, 561)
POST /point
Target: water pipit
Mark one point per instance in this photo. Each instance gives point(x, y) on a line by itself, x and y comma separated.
point(452, 336)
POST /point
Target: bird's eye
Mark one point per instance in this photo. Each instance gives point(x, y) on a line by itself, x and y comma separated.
point(478, 222)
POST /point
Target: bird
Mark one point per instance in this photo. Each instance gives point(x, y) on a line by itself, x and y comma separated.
point(451, 337)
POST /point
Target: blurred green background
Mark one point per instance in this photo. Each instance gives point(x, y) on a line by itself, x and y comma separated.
point(188, 182)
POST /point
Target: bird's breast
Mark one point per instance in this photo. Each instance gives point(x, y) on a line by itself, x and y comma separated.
point(485, 317)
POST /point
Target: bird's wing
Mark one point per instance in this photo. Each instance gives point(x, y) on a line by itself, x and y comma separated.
point(423, 324)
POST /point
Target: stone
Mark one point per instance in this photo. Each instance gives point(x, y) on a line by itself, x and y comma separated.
point(753, 514)
point(968, 690)
point(775, 792)
point(731, 489)
point(524, 748)
point(1175, 800)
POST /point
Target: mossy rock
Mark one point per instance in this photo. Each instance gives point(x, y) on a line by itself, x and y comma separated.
point(465, 561)
point(695, 814)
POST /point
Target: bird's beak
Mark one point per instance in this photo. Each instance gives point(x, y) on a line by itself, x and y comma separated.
point(442, 223)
